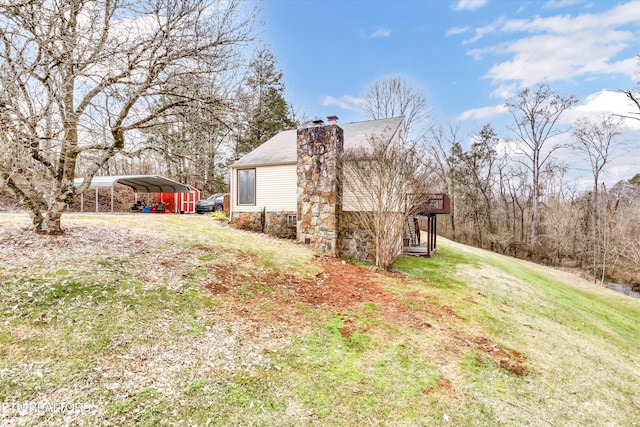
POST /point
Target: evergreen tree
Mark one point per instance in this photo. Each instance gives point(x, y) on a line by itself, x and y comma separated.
point(263, 110)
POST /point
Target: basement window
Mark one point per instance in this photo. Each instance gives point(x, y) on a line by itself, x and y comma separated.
point(292, 220)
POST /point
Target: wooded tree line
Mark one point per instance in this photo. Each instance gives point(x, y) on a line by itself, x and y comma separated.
point(512, 195)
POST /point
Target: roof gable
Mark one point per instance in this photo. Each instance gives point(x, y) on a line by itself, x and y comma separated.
point(281, 149)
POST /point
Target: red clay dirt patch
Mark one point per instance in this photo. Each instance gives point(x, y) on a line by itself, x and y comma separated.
point(341, 287)
point(443, 385)
point(429, 306)
point(224, 279)
point(508, 359)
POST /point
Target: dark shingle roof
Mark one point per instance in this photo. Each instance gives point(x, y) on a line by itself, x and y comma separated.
point(281, 149)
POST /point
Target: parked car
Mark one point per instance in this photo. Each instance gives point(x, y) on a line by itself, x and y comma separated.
point(213, 203)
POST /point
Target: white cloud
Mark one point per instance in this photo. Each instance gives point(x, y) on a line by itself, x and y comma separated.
point(483, 113)
point(457, 30)
point(504, 91)
point(621, 169)
point(480, 32)
point(553, 57)
point(557, 4)
point(469, 4)
point(617, 173)
point(562, 47)
point(565, 24)
point(380, 32)
point(606, 102)
point(346, 102)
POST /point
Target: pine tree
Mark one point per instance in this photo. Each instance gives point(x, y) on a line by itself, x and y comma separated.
point(263, 109)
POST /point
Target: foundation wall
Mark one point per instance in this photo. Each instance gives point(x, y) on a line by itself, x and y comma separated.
point(276, 224)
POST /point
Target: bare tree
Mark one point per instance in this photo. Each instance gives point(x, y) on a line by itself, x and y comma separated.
point(561, 224)
point(398, 97)
point(596, 142)
point(621, 225)
point(627, 233)
point(536, 113)
point(379, 177)
point(476, 181)
point(520, 194)
point(443, 148)
point(635, 100)
point(191, 144)
point(78, 76)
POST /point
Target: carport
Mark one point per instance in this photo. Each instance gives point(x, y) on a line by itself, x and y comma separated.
point(139, 183)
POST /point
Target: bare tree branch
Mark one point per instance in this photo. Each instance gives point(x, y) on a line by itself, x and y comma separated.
point(77, 77)
point(536, 113)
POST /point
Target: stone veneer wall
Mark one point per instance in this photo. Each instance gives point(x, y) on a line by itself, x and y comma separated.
point(275, 223)
point(355, 241)
point(319, 171)
point(278, 226)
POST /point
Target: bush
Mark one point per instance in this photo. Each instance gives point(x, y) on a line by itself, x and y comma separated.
point(219, 216)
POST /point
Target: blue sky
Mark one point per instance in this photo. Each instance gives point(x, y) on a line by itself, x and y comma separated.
point(467, 55)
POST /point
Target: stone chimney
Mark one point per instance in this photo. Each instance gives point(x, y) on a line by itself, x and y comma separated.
point(333, 120)
point(319, 167)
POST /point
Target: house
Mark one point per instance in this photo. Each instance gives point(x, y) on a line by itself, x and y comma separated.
point(290, 186)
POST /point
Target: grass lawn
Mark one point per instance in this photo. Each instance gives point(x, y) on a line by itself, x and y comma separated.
point(179, 320)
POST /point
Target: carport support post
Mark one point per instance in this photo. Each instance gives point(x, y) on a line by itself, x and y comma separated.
point(81, 202)
point(96, 199)
point(112, 199)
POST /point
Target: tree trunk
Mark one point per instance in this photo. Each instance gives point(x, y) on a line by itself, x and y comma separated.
point(49, 223)
point(536, 196)
point(594, 224)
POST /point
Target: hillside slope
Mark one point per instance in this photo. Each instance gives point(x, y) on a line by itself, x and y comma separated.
point(581, 341)
point(175, 319)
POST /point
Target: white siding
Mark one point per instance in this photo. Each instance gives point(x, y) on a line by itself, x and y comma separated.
point(349, 200)
point(276, 189)
point(354, 194)
point(363, 196)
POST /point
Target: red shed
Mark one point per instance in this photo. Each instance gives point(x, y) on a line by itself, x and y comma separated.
point(180, 202)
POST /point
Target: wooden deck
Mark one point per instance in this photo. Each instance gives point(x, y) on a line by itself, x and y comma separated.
point(417, 251)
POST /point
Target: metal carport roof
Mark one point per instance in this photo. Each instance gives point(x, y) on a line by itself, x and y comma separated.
point(139, 183)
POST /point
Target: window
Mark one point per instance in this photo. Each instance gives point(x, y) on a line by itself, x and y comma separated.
point(292, 220)
point(246, 186)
